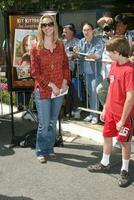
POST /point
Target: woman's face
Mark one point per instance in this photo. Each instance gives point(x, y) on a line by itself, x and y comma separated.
point(87, 31)
point(47, 26)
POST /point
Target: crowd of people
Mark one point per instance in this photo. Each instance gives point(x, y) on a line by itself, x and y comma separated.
point(91, 46)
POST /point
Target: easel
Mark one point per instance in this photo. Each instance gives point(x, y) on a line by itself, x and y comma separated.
point(27, 108)
point(15, 139)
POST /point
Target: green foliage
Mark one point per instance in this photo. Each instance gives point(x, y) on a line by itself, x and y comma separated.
point(4, 93)
point(59, 5)
point(5, 97)
point(13, 5)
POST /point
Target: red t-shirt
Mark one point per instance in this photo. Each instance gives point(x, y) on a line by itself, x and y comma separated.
point(121, 81)
point(49, 67)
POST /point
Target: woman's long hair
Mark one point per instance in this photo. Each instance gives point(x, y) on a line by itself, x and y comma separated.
point(40, 34)
point(23, 44)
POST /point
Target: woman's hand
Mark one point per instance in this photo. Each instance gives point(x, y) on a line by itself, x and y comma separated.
point(93, 56)
point(55, 89)
point(64, 86)
point(75, 49)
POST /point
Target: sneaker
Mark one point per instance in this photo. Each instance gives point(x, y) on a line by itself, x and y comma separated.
point(88, 118)
point(124, 179)
point(98, 168)
point(20, 107)
point(42, 159)
point(94, 120)
point(77, 114)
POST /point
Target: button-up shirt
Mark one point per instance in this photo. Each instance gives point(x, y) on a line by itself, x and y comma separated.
point(48, 67)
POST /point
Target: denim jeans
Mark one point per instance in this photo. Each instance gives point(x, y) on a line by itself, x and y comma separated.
point(91, 84)
point(48, 111)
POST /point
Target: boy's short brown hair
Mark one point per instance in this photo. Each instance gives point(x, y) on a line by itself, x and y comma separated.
point(119, 44)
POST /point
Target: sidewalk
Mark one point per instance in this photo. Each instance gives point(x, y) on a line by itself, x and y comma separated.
point(85, 129)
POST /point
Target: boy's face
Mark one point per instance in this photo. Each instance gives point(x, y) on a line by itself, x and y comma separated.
point(114, 55)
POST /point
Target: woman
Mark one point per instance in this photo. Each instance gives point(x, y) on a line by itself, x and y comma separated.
point(91, 48)
point(50, 71)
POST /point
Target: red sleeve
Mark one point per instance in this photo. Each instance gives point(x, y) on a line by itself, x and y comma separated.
point(129, 81)
point(66, 70)
point(35, 68)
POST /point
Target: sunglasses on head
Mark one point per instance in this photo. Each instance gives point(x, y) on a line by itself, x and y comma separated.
point(49, 24)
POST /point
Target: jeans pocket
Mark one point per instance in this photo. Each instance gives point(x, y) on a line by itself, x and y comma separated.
point(37, 93)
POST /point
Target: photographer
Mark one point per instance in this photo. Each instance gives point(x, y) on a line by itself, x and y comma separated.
point(117, 26)
point(106, 24)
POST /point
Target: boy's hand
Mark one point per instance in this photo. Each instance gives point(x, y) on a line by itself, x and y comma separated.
point(103, 114)
point(119, 125)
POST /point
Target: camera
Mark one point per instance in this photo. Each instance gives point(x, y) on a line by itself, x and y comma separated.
point(107, 27)
point(71, 49)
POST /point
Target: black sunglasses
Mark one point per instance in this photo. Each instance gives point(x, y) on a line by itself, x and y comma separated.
point(49, 24)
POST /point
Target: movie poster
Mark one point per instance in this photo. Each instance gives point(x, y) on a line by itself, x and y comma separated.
point(23, 35)
point(23, 41)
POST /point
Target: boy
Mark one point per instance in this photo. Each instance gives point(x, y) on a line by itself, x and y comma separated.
point(118, 111)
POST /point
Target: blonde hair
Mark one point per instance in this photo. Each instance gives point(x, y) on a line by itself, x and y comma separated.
point(23, 44)
point(40, 34)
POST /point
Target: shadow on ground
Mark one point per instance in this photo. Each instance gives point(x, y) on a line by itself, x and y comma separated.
point(93, 155)
point(3, 197)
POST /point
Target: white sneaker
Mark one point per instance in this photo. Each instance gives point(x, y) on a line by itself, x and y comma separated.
point(94, 120)
point(77, 114)
point(88, 118)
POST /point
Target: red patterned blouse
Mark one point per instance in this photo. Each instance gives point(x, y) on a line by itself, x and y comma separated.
point(49, 67)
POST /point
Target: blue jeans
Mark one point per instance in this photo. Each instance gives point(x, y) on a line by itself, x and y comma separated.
point(91, 84)
point(48, 111)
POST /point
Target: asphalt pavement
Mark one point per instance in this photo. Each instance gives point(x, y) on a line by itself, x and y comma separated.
point(22, 177)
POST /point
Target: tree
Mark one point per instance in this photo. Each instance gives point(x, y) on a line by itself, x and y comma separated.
point(13, 5)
